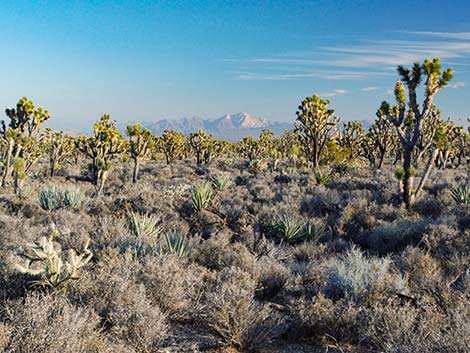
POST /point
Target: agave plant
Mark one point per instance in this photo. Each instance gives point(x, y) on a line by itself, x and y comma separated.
point(54, 198)
point(221, 182)
point(290, 229)
point(201, 197)
point(175, 243)
point(144, 225)
point(461, 194)
point(50, 198)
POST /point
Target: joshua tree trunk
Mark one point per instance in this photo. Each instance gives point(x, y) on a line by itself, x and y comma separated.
point(427, 171)
point(408, 178)
point(7, 167)
point(135, 174)
point(102, 176)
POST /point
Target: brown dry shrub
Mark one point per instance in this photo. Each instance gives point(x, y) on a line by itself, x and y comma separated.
point(175, 284)
point(219, 252)
point(237, 318)
point(128, 313)
point(48, 323)
point(322, 318)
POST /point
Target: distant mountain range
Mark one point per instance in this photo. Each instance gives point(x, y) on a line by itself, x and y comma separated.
point(231, 127)
point(228, 127)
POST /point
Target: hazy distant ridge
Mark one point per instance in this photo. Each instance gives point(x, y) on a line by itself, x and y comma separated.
point(229, 126)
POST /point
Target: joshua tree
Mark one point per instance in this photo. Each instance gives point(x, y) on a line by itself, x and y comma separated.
point(105, 145)
point(380, 138)
point(21, 140)
point(409, 118)
point(352, 138)
point(316, 126)
point(140, 142)
point(203, 146)
point(448, 140)
point(171, 144)
point(59, 146)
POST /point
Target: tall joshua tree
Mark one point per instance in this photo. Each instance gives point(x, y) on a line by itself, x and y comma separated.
point(409, 118)
point(140, 142)
point(380, 137)
point(20, 140)
point(316, 126)
point(105, 145)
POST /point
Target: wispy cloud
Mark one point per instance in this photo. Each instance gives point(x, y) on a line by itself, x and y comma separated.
point(334, 93)
point(359, 60)
point(451, 35)
point(369, 88)
point(327, 75)
point(456, 85)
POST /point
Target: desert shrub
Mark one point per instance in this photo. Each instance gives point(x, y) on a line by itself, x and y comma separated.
point(272, 276)
point(138, 322)
point(238, 319)
point(429, 207)
point(323, 318)
point(396, 236)
point(356, 277)
point(392, 328)
point(444, 241)
point(48, 323)
point(131, 316)
point(174, 284)
point(219, 252)
point(422, 270)
point(54, 198)
point(323, 203)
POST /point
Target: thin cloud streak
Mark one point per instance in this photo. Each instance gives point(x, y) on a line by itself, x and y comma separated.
point(338, 75)
point(369, 89)
point(334, 93)
point(382, 56)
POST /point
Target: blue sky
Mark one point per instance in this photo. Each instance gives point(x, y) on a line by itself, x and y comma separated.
point(147, 60)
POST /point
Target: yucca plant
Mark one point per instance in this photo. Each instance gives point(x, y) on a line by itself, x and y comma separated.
point(461, 194)
point(321, 177)
point(290, 229)
point(175, 243)
point(314, 231)
point(54, 267)
point(73, 198)
point(201, 197)
point(221, 182)
point(144, 225)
